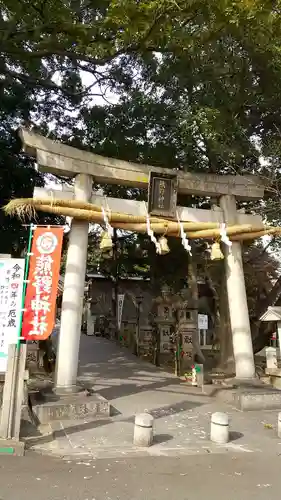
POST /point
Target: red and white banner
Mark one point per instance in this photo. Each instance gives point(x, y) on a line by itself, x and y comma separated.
point(43, 277)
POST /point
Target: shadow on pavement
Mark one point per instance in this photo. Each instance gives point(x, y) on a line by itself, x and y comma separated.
point(162, 438)
point(234, 436)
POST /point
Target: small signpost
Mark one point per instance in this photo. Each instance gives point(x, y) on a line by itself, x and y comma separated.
point(203, 327)
point(202, 322)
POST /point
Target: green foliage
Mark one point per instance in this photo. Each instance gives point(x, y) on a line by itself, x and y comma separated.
point(198, 85)
point(17, 177)
point(39, 39)
point(17, 173)
point(130, 256)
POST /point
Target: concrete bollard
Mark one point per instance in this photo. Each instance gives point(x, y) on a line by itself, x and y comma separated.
point(143, 431)
point(219, 428)
point(279, 425)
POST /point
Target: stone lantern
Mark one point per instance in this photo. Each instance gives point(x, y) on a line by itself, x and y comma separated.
point(273, 313)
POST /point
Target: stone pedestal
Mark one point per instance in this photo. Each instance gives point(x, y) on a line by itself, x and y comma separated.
point(247, 395)
point(48, 406)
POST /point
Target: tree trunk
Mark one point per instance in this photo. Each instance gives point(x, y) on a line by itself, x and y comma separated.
point(153, 312)
point(198, 355)
point(261, 334)
point(178, 344)
point(226, 364)
point(221, 321)
point(115, 285)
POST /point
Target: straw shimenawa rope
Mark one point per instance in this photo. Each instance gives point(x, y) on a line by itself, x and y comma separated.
point(27, 207)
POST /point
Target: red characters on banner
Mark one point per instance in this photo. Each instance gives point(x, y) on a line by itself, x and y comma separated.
point(43, 277)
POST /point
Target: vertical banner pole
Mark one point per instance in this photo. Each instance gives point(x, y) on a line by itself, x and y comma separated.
point(11, 393)
point(15, 408)
point(26, 268)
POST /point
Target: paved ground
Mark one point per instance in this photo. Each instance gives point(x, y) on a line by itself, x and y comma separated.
point(182, 413)
point(96, 460)
point(242, 476)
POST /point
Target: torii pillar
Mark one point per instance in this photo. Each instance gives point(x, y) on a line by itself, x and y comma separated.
point(237, 299)
point(73, 294)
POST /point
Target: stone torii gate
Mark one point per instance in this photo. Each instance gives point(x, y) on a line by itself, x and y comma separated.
point(56, 158)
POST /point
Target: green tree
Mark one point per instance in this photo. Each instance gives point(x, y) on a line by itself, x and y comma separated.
point(203, 110)
point(39, 40)
point(198, 82)
point(17, 173)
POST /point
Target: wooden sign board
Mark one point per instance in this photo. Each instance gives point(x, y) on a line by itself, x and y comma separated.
point(162, 195)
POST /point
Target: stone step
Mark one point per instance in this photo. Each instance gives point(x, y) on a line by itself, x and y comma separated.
point(257, 399)
point(249, 398)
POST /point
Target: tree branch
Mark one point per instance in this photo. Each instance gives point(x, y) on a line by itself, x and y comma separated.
point(47, 84)
point(253, 259)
